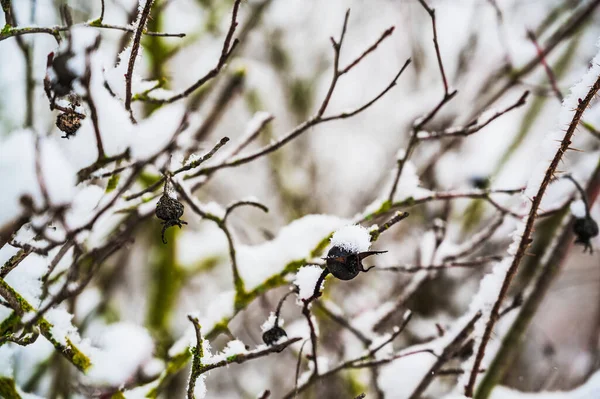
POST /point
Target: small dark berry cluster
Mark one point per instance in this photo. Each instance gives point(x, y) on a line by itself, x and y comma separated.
point(169, 210)
point(275, 333)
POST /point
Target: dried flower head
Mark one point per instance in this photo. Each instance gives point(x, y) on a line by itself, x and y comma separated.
point(69, 123)
point(169, 210)
point(273, 335)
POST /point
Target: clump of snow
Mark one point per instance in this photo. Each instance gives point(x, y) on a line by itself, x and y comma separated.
point(6, 361)
point(200, 387)
point(221, 308)
point(122, 348)
point(408, 185)
point(294, 242)
point(306, 280)
point(142, 391)
point(26, 278)
point(354, 238)
point(152, 135)
point(153, 367)
point(62, 328)
point(578, 209)
point(82, 38)
point(235, 347)
point(270, 322)
point(214, 209)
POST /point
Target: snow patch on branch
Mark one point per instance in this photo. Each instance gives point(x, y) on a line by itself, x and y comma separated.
point(294, 242)
point(354, 238)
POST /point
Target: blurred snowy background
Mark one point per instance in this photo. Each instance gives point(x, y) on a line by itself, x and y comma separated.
point(85, 249)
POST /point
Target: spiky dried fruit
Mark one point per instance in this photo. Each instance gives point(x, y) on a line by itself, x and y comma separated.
point(169, 210)
point(69, 123)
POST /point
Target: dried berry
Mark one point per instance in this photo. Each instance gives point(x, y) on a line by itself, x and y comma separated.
point(169, 210)
point(585, 229)
point(273, 335)
point(480, 182)
point(69, 123)
point(345, 264)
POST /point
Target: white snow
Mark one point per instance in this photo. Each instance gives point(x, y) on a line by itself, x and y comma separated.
point(578, 209)
point(221, 308)
point(6, 361)
point(354, 238)
point(270, 322)
point(294, 242)
point(121, 349)
point(151, 135)
point(25, 278)
point(17, 153)
point(200, 387)
point(62, 328)
point(235, 347)
point(306, 280)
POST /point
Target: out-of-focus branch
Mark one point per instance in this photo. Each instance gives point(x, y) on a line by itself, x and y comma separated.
point(472, 127)
point(362, 361)
point(319, 115)
point(575, 21)
point(442, 266)
point(449, 351)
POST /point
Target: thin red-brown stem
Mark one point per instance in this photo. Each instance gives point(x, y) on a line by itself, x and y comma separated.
point(540, 53)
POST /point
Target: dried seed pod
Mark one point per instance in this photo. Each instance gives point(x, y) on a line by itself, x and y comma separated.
point(69, 123)
point(346, 265)
point(273, 335)
point(169, 210)
point(585, 229)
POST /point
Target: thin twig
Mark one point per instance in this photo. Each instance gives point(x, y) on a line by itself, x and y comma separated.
point(226, 51)
point(446, 265)
point(547, 68)
point(141, 24)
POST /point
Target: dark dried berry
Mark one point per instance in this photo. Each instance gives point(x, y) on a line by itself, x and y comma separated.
point(169, 210)
point(272, 335)
point(69, 123)
point(346, 265)
point(585, 229)
point(480, 182)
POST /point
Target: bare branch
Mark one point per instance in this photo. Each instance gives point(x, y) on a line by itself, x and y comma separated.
point(226, 52)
